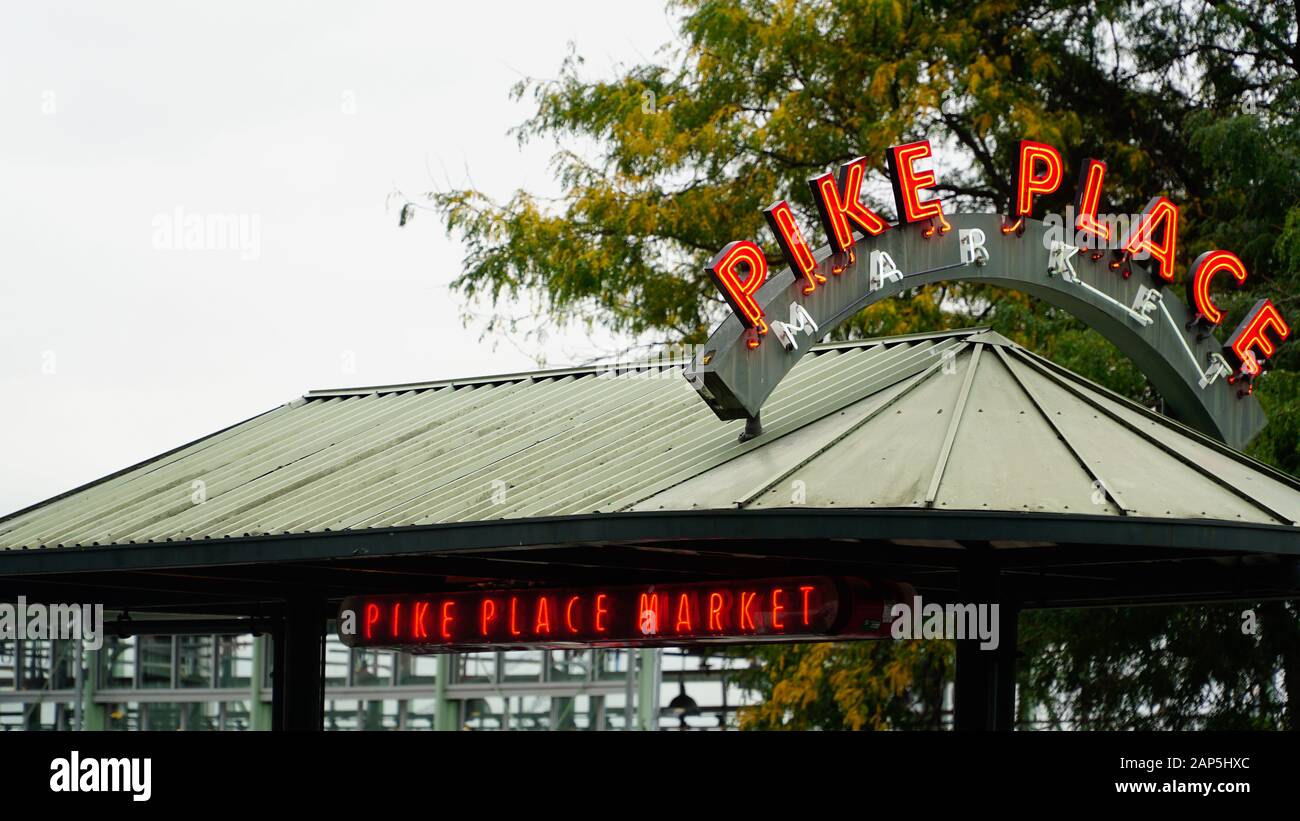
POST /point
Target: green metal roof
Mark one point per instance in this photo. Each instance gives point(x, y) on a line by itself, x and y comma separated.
point(962, 420)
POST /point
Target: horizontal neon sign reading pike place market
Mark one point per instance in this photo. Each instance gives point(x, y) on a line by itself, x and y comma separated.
point(740, 268)
point(758, 610)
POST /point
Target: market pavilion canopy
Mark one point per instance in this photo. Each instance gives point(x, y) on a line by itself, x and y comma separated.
point(957, 421)
point(905, 457)
point(956, 462)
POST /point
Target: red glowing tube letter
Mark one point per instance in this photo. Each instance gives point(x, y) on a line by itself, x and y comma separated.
point(839, 204)
point(908, 182)
point(1198, 284)
point(372, 618)
point(447, 619)
point(1251, 333)
point(488, 613)
point(397, 614)
point(543, 622)
point(715, 611)
point(683, 615)
point(601, 627)
point(780, 218)
point(746, 610)
point(568, 615)
point(418, 630)
point(807, 591)
point(650, 602)
point(777, 607)
point(726, 268)
point(1087, 199)
point(1027, 183)
point(1157, 234)
point(514, 607)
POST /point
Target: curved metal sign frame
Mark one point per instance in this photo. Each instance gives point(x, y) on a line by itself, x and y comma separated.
point(1138, 314)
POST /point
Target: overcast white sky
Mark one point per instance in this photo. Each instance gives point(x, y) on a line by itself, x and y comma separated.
point(119, 119)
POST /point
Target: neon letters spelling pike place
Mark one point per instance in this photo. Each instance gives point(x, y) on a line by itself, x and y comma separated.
point(741, 267)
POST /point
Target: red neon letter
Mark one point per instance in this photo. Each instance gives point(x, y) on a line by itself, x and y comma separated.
point(600, 611)
point(568, 615)
point(1026, 183)
point(447, 619)
point(397, 612)
point(725, 269)
point(840, 205)
point(683, 614)
point(1160, 216)
point(780, 218)
point(746, 613)
point(807, 591)
point(372, 618)
point(489, 614)
point(543, 624)
point(1087, 199)
point(418, 629)
point(908, 182)
point(649, 603)
point(514, 606)
point(1198, 284)
point(715, 611)
point(777, 607)
point(1251, 334)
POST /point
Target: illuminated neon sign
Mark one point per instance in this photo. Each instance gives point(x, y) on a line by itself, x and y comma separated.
point(762, 610)
point(867, 258)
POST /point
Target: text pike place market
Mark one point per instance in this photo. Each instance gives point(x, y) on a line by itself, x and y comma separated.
point(741, 268)
point(786, 609)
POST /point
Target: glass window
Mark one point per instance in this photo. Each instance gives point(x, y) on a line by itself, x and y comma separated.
point(476, 667)
point(195, 660)
point(614, 712)
point(418, 714)
point(35, 664)
point(613, 663)
point(65, 665)
point(372, 667)
point(379, 714)
point(200, 715)
point(117, 663)
point(569, 665)
point(160, 716)
point(484, 713)
point(341, 715)
point(529, 712)
point(522, 665)
point(571, 713)
point(8, 665)
point(416, 669)
point(47, 716)
point(337, 655)
point(235, 661)
point(236, 715)
point(155, 661)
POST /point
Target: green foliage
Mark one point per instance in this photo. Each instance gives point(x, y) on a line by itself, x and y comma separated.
point(1157, 668)
point(1196, 100)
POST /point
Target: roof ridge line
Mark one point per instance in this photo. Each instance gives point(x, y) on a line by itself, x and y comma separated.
point(616, 367)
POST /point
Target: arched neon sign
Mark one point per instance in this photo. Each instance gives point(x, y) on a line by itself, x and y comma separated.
point(1084, 267)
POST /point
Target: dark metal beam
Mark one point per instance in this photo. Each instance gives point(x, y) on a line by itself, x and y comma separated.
point(705, 530)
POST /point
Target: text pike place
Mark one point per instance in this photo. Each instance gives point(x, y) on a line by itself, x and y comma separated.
point(741, 268)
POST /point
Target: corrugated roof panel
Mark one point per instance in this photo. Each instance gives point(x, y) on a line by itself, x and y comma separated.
point(1151, 481)
point(884, 461)
point(871, 424)
point(1000, 432)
